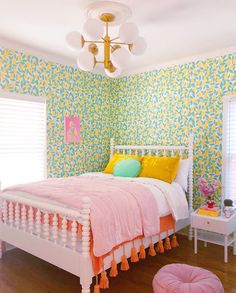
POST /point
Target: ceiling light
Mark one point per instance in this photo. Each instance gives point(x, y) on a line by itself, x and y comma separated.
point(138, 47)
point(115, 49)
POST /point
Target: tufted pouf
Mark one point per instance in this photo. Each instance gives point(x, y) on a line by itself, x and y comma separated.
point(181, 278)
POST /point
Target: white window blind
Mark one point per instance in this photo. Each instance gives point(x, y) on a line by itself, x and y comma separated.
point(230, 148)
point(22, 141)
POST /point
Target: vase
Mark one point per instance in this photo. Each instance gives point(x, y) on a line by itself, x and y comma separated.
point(210, 204)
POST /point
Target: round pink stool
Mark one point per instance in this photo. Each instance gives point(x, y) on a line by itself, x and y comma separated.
point(181, 278)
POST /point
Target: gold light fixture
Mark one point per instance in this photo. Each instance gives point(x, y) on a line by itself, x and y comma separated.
point(116, 51)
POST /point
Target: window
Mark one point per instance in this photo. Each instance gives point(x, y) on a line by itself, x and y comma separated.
point(22, 139)
point(229, 148)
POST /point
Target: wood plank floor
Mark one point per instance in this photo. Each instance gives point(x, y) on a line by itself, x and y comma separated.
point(23, 273)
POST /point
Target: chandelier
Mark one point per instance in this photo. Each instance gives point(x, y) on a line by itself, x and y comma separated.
point(116, 51)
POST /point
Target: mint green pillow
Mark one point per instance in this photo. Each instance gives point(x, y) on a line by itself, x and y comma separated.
point(127, 168)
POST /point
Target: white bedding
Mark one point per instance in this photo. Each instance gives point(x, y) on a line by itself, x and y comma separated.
point(170, 198)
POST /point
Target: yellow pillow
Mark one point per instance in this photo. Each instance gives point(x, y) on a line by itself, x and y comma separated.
point(163, 168)
point(116, 158)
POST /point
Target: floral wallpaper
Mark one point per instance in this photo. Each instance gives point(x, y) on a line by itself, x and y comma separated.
point(164, 106)
point(69, 92)
point(161, 106)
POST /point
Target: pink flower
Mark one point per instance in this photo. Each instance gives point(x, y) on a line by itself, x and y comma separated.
point(207, 189)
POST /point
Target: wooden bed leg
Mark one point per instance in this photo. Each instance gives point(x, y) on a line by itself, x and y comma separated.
point(190, 233)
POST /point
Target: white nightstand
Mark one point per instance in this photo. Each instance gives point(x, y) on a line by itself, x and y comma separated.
point(224, 231)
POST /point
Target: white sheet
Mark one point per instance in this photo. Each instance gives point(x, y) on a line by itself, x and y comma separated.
point(170, 198)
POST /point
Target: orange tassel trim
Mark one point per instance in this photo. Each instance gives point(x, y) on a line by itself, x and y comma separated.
point(152, 251)
point(160, 247)
point(174, 242)
point(134, 255)
point(124, 264)
point(104, 282)
point(96, 287)
point(167, 245)
point(113, 271)
point(142, 252)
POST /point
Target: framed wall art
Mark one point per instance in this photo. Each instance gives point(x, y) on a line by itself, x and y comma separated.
point(72, 130)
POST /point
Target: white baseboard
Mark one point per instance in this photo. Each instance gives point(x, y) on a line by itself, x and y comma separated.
point(9, 247)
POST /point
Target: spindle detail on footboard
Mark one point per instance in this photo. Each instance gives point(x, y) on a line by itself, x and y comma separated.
point(57, 224)
point(86, 226)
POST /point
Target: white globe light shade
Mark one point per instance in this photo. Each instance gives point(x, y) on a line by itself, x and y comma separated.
point(85, 61)
point(74, 40)
point(120, 58)
point(139, 46)
point(113, 74)
point(94, 29)
point(128, 32)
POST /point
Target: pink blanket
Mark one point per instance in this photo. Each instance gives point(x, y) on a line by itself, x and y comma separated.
point(120, 210)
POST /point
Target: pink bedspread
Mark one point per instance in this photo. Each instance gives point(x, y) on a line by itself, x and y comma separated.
point(120, 210)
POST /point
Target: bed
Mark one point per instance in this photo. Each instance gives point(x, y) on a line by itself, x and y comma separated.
point(61, 235)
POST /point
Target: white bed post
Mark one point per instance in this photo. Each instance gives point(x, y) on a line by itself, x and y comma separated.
point(85, 277)
point(1, 249)
point(1, 242)
point(111, 148)
point(190, 184)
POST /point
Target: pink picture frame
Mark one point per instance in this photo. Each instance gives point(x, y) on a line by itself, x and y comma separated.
point(72, 130)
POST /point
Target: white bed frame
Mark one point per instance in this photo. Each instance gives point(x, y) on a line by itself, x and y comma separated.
point(65, 249)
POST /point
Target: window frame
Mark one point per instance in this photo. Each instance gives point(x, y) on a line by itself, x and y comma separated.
point(38, 99)
point(226, 101)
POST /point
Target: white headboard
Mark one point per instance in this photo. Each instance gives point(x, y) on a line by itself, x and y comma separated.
point(184, 151)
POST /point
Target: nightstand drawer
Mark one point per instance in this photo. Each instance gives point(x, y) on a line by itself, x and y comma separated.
point(209, 224)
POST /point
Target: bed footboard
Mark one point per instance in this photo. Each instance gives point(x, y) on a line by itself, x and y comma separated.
point(1, 248)
point(56, 234)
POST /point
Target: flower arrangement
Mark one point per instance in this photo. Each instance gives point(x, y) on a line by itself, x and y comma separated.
point(208, 190)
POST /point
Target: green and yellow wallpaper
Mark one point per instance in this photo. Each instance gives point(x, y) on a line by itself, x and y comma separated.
point(69, 92)
point(158, 107)
point(164, 106)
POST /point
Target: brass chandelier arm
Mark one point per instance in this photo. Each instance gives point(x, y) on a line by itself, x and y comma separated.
point(109, 45)
point(102, 42)
point(114, 39)
point(119, 43)
point(105, 44)
point(96, 42)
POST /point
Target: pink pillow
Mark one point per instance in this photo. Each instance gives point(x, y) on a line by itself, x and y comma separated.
point(182, 278)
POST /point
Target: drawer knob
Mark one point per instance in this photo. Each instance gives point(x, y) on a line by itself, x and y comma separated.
point(208, 222)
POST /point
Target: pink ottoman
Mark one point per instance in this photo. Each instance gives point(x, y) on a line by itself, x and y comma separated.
point(181, 278)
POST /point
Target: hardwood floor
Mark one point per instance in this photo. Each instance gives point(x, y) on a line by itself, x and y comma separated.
point(23, 273)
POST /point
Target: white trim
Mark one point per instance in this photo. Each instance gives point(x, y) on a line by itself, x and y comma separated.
point(46, 144)
point(226, 100)
point(43, 54)
point(16, 96)
point(47, 56)
point(189, 59)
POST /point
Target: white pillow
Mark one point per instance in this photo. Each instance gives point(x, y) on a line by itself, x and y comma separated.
point(182, 174)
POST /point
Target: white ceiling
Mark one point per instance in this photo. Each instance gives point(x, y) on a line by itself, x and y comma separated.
point(173, 29)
